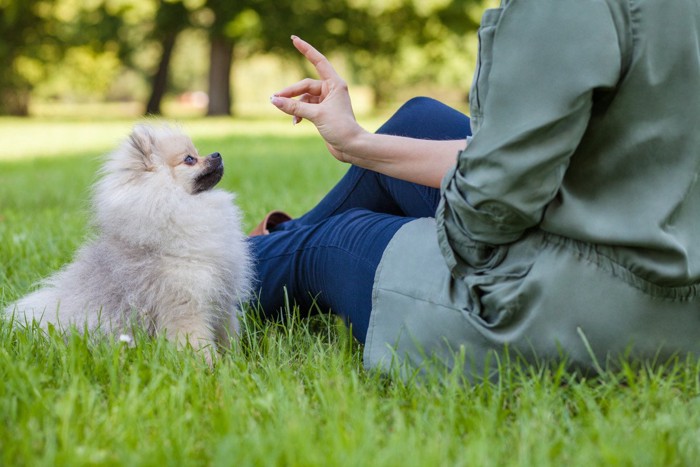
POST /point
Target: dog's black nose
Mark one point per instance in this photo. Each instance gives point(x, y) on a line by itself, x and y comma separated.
point(215, 155)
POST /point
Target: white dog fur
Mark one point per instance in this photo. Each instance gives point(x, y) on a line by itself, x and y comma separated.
point(168, 255)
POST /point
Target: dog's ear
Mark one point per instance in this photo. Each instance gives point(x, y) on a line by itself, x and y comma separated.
point(142, 141)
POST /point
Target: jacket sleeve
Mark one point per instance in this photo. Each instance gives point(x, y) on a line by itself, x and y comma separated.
point(540, 63)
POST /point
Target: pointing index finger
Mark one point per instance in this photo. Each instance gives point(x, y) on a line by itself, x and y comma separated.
point(318, 60)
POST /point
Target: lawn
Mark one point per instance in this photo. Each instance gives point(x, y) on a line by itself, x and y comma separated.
point(287, 394)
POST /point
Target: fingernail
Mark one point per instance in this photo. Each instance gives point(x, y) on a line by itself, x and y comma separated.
point(275, 100)
point(294, 37)
point(295, 120)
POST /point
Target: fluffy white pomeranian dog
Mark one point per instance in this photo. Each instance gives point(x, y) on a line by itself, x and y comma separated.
point(169, 254)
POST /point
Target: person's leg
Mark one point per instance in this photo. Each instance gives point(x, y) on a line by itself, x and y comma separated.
point(330, 264)
point(427, 118)
point(421, 118)
point(329, 256)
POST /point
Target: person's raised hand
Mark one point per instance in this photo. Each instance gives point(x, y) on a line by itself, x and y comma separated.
point(325, 102)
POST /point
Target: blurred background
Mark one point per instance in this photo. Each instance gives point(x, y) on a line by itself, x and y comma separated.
point(225, 57)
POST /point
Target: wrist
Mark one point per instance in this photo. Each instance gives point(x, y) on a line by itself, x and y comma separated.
point(358, 148)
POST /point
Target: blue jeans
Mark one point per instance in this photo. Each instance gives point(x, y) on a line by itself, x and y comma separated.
point(328, 257)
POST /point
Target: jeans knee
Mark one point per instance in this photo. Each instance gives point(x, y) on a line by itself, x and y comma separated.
point(427, 118)
point(419, 102)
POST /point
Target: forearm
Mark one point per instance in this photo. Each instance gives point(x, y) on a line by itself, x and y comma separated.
point(326, 103)
point(415, 160)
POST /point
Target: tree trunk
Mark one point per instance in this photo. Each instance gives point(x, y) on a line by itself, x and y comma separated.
point(160, 79)
point(221, 58)
point(14, 91)
point(15, 102)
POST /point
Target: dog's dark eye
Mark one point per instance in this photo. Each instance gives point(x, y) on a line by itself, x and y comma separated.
point(189, 160)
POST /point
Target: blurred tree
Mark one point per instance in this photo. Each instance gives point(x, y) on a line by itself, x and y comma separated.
point(374, 35)
point(383, 41)
point(78, 47)
point(96, 39)
point(232, 23)
point(35, 35)
point(171, 19)
point(313, 20)
point(374, 52)
point(409, 42)
point(24, 40)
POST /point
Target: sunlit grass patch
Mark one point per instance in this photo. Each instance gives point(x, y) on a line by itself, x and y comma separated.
point(292, 392)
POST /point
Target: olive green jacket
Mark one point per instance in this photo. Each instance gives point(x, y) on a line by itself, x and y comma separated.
point(570, 226)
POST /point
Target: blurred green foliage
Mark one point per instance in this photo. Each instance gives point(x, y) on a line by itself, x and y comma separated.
point(86, 50)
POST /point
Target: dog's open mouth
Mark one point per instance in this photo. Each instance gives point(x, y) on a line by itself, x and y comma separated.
point(211, 176)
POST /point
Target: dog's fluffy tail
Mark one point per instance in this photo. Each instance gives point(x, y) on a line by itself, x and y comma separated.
point(35, 308)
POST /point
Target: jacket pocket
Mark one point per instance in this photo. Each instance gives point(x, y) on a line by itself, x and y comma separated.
point(495, 297)
point(479, 87)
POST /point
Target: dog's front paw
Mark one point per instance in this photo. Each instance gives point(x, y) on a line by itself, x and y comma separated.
point(204, 346)
point(196, 335)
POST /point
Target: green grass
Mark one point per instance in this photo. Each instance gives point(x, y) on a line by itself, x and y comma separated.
point(286, 394)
